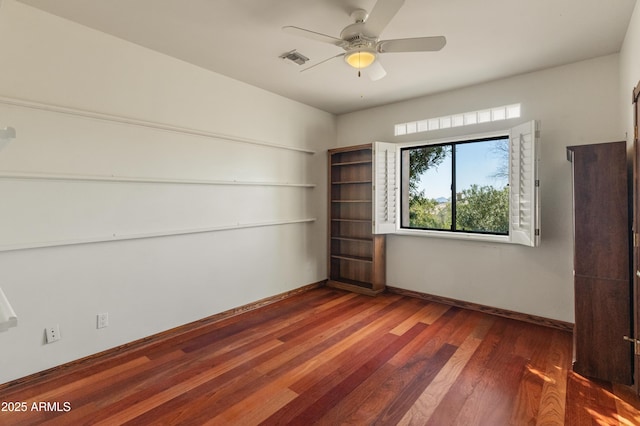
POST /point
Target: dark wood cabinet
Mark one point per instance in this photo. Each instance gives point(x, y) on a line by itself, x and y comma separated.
point(635, 305)
point(602, 279)
point(356, 255)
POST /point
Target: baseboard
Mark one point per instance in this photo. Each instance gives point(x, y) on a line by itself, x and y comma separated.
point(547, 322)
point(146, 342)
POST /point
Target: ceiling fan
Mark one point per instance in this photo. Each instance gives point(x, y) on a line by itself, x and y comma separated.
point(361, 43)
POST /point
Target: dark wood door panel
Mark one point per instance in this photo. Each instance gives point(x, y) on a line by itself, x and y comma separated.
point(602, 262)
point(601, 213)
point(636, 228)
point(601, 323)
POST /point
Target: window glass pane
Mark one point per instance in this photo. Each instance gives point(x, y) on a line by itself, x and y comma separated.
point(457, 120)
point(513, 111)
point(412, 127)
point(470, 118)
point(482, 192)
point(484, 116)
point(498, 114)
point(429, 188)
point(401, 129)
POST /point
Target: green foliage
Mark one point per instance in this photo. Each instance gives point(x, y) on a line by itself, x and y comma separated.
point(483, 209)
point(424, 212)
point(478, 209)
point(428, 213)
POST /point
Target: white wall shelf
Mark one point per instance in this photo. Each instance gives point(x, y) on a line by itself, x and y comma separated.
point(144, 123)
point(8, 174)
point(121, 237)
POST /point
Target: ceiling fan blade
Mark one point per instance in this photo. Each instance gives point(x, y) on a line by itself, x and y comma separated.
point(322, 62)
point(381, 15)
point(419, 44)
point(375, 71)
point(313, 35)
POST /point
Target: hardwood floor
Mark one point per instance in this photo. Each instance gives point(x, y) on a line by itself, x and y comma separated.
point(330, 357)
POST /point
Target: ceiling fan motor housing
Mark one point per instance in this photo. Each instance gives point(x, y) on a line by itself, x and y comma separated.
point(356, 40)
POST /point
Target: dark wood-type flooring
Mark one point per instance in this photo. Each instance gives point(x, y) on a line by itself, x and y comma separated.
point(331, 357)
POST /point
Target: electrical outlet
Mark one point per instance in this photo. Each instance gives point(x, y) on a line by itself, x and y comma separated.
point(52, 333)
point(103, 320)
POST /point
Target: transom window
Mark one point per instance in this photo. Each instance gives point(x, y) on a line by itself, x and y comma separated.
point(505, 112)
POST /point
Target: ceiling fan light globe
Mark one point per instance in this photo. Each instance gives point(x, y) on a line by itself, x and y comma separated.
point(360, 58)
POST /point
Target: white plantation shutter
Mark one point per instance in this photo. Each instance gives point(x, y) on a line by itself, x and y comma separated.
point(523, 183)
point(385, 174)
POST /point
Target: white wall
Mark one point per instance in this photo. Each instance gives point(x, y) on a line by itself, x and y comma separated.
point(146, 285)
point(630, 71)
point(150, 285)
point(576, 104)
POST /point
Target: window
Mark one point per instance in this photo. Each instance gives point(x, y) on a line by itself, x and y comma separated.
point(478, 187)
point(458, 186)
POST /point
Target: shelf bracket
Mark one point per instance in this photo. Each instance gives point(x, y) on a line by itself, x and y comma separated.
point(8, 317)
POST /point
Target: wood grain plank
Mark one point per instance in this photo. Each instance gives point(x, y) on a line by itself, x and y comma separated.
point(394, 386)
point(141, 407)
point(256, 408)
point(424, 406)
point(426, 315)
point(199, 404)
point(315, 411)
point(223, 370)
point(322, 385)
point(366, 333)
point(430, 341)
point(406, 397)
point(232, 330)
point(578, 414)
point(290, 359)
point(86, 382)
point(494, 395)
point(627, 405)
point(534, 349)
point(554, 391)
point(112, 389)
point(332, 357)
point(519, 316)
point(330, 367)
point(592, 402)
point(51, 391)
point(447, 412)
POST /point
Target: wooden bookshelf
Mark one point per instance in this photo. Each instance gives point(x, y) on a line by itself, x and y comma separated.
point(356, 255)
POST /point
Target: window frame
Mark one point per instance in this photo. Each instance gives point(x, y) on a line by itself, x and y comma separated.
point(452, 142)
point(524, 205)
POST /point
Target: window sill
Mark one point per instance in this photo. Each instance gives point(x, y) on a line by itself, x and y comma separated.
point(454, 235)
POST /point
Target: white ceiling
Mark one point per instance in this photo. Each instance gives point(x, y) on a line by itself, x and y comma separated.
point(242, 39)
